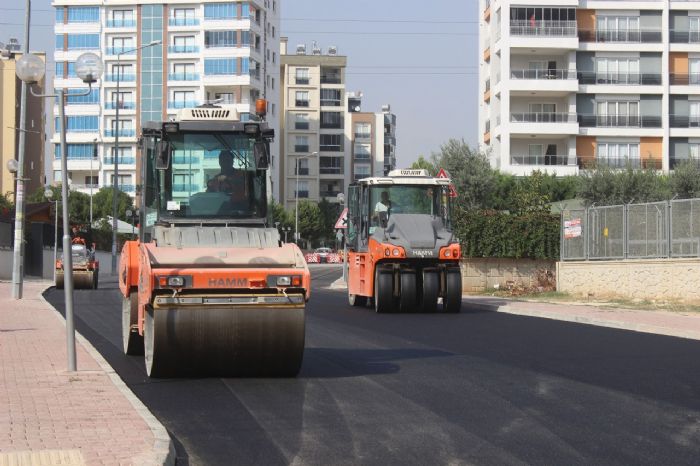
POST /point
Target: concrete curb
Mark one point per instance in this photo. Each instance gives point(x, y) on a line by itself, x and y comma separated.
point(339, 284)
point(163, 452)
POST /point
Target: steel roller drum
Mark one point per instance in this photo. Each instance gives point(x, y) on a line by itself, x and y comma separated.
point(224, 341)
point(59, 279)
point(83, 280)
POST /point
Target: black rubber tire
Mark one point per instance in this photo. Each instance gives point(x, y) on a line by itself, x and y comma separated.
point(383, 292)
point(131, 340)
point(452, 300)
point(430, 292)
point(408, 301)
point(59, 281)
point(357, 301)
point(97, 278)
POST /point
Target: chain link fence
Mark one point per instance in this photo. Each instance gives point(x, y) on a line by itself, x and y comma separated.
point(632, 231)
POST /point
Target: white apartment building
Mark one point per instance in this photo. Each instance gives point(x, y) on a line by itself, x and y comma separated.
point(220, 52)
point(571, 83)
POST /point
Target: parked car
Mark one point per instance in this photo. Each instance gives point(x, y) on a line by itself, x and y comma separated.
point(323, 254)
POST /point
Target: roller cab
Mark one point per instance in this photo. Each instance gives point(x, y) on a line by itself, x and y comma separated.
point(402, 252)
point(85, 268)
point(209, 289)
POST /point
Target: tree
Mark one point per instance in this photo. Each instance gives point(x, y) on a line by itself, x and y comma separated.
point(278, 215)
point(329, 213)
point(423, 164)
point(102, 204)
point(78, 204)
point(471, 173)
point(607, 186)
point(685, 180)
point(309, 221)
point(6, 205)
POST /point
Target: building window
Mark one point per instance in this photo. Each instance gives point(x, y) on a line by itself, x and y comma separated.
point(75, 151)
point(331, 142)
point(220, 66)
point(618, 155)
point(362, 171)
point(301, 144)
point(59, 15)
point(331, 120)
point(79, 41)
point(92, 98)
point(617, 113)
point(617, 71)
point(184, 44)
point(303, 191)
point(330, 97)
point(302, 99)
point(301, 121)
point(331, 165)
point(302, 76)
point(121, 18)
point(363, 130)
point(182, 17)
point(214, 39)
point(224, 98)
point(363, 151)
point(120, 45)
point(182, 99)
point(79, 124)
point(214, 11)
point(83, 14)
point(302, 167)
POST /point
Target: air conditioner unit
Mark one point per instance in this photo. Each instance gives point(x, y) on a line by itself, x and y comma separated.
point(301, 49)
point(333, 50)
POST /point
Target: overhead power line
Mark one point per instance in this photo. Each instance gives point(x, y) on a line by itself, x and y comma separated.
point(399, 21)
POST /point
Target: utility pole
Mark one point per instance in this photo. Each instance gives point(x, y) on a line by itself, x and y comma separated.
point(18, 253)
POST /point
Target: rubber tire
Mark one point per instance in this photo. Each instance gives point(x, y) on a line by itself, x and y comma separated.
point(430, 292)
point(383, 292)
point(132, 342)
point(59, 281)
point(97, 279)
point(408, 301)
point(357, 301)
point(452, 300)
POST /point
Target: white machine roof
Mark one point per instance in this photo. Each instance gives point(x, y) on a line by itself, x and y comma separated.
point(407, 176)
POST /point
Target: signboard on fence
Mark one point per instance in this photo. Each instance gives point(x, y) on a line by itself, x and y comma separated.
point(572, 228)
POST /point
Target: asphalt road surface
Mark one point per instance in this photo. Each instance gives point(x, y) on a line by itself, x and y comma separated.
point(473, 388)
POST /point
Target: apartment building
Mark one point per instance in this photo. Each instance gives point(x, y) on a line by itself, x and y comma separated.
point(220, 52)
point(10, 94)
point(315, 152)
point(571, 83)
point(372, 138)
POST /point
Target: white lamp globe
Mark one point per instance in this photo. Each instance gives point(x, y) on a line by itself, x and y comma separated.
point(48, 193)
point(30, 68)
point(89, 67)
point(12, 166)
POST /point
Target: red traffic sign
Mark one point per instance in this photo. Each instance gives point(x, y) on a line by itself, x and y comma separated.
point(342, 220)
point(443, 174)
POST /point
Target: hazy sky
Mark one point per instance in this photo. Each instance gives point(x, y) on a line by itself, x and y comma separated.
point(423, 62)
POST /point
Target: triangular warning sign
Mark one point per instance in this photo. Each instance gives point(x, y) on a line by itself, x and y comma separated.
point(453, 191)
point(342, 220)
point(443, 173)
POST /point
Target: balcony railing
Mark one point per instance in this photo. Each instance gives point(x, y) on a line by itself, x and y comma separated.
point(183, 77)
point(301, 148)
point(619, 121)
point(81, 157)
point(302, 81)
point(330, 102)
point(123, 133)
point(178, 104)
point(301, 103)
point(302, 171)
point(628, 162)
point(685, 121)
point(121, 105)
point(331, 148)
point(543, 28)
point(542, 74)
point(123, 160)
point(685, 79)
point(331, 170)
point(301, 194)
point(361, 156)
point(561, 160)
point(644, 79)
point(183, 49)
point(675, 161)
point(123, 78)
point(255, 74)
point(543, 117)
point(120, 50)
point(363, 135)
point(183, 22)
point(302, 125)
point(647, 36)
point(121, 23)
point(685, 37)
point(330, 79)
point(127, 188)
point(76, 186)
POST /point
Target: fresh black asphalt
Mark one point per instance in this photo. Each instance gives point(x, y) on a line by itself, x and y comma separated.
point(401, 389)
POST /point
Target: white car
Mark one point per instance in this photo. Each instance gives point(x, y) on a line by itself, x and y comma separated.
point(323, 254)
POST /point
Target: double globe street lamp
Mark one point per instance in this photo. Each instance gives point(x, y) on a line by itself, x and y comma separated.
point(88, 67)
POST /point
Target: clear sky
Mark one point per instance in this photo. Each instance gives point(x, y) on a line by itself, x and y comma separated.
point(422, 61)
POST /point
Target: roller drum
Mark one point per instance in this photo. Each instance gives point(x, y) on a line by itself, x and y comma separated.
point(224, 341)
point(83, 280)
point(59, 279)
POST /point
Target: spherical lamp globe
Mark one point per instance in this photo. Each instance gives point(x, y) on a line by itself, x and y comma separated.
point(30, 68)
point(89, 67)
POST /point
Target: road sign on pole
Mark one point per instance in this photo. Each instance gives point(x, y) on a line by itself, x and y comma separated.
point(342, 220)
point(444, 174)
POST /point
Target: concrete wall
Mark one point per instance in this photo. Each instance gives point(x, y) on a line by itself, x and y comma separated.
point(663, 279)
point(481, 274)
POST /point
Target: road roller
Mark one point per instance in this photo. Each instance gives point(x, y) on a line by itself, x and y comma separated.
point(86, 268)
point(208, 288)
point(403, 255)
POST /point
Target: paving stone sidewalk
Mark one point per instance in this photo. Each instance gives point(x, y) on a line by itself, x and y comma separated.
point(677, 324)
point(49, 416)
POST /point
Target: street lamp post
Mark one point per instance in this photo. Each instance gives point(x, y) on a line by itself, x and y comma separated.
point(296, 195)
point(115, 183)
point(48, 193)
point(88, 67)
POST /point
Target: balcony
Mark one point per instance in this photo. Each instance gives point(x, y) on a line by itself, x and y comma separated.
point(301, 194)
point(183, 22)
point(543, 74)
point(363, 135)
point(302, 171)
point(183, 77)
point(543, 117)
point(331, 147)
point(301, 103)
point(560, 160)
point(643, 36)
point(330, 79)
point(628, 79)
point(123, 160)
point(127, 188)
point(120, 50)
point(183, 49)
point(120, 23)
point(255, 74)
point(179, 104)
point(331, 170)
point(330, 103)
point(361, 156)
point(301, 148)
point(543, 28)
point(685, 121)
point(84, 186)
point(120, 105)
point(685, 37)
point(628, 162)
point(122, 133)
point(301, 125)
point(123, 78)
point(544, 123)
point(302, 81)
point(685, 79)
point(619, 121)
point(675, 161)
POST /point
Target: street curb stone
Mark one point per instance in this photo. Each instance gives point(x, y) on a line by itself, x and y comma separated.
point(163, 452)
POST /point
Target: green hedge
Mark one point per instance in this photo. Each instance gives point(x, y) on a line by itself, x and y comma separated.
point(534, 235)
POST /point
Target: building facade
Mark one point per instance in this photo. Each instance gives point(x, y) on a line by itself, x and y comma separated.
point(313, 120)
point(220, 52)
point(372, 139)
point(576, 83)
point(10, 93)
